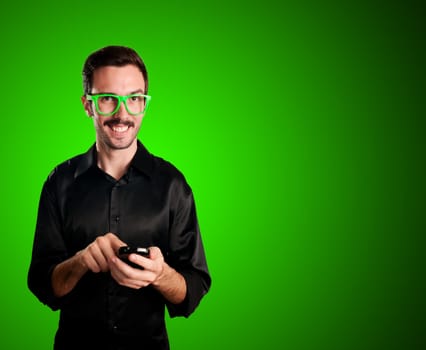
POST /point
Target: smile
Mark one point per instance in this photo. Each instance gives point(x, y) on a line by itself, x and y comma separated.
point(120, 128)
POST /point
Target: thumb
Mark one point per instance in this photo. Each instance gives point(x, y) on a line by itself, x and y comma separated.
point(115, 241)
point(155, 253)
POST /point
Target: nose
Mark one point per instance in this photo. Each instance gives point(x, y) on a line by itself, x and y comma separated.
point(121, 110)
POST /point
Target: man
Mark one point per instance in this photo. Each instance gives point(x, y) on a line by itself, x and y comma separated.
point(116, 194)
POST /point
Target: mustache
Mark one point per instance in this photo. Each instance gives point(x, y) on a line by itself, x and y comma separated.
point(113, 122)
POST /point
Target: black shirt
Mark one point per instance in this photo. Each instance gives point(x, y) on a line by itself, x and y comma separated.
point(152, 205)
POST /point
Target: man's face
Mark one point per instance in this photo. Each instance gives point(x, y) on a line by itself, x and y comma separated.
point(120, 130)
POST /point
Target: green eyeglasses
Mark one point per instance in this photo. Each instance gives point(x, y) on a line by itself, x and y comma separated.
point(109, 104)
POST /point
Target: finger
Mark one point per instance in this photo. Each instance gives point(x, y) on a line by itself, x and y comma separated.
point(90, 262)
point(114, 241)
point(107, 245)
point(155, 253)
point(127, 282)
point(128, 276)
point(140, 260)
point(155, 263)
point(96, 252)
point(122, 270)
point(117, 272)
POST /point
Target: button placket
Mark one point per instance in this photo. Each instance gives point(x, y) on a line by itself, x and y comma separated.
point(115, 209)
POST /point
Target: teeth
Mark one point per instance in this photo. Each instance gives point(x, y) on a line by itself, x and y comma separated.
point(120, 128)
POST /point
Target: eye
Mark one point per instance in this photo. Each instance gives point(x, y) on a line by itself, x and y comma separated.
point(106, 99)
point(136, 98)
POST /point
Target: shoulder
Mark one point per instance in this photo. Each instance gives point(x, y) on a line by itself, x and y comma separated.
point(68, 170)
point(68, 166)
point(164, 169)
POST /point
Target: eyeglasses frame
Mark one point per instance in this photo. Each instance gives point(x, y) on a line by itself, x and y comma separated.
point(121, 98)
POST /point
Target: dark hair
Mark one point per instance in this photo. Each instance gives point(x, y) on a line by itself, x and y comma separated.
point(111, 56)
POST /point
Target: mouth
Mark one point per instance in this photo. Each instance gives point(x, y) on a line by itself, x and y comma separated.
point(120, 129)
point(119, 126)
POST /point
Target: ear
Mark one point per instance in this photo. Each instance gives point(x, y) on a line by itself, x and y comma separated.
point(87, 106)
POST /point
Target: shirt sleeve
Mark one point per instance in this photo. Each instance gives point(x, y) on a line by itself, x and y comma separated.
point(186, 253)
point(48, 248)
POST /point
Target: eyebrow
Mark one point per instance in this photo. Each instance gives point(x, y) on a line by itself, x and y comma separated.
point(138, 91)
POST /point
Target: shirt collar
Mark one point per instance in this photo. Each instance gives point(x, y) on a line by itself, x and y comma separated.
point(142, 161)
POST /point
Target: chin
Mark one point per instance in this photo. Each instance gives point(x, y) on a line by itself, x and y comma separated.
point(122, 145)
point(119, 144)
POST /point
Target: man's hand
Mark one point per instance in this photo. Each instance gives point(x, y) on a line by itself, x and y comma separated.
point(96, 257)
point(127, 276)
point(156, 272)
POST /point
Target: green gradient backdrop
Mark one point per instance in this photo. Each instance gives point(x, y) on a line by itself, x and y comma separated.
point(299, 125)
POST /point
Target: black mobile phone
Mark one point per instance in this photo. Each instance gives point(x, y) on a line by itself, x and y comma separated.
point(123, 254)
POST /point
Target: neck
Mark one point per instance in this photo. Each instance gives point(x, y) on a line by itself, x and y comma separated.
point(115, 162)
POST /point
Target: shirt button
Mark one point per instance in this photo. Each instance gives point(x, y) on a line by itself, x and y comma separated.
point(117, 218)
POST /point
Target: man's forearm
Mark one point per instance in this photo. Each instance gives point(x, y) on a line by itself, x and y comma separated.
point(171, 285)
point(66, 275)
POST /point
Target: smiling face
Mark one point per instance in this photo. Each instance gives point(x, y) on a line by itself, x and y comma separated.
point(119, 131)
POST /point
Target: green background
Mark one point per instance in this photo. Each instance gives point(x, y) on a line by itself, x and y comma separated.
point(300, 127)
